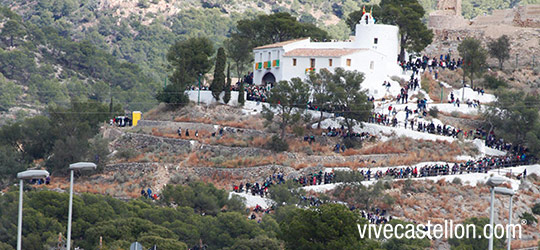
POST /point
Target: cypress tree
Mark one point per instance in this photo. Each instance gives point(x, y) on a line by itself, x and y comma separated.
point(218, 83)
point(241, 99)
point(227, 96)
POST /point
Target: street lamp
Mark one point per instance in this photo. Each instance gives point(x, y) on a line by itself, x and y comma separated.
point(509, 192)
point(72, 167)
point(26, 175)
point(493, 182)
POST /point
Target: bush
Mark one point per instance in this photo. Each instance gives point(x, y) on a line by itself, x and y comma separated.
point(457, 181)
point(529, 218)
point(126, 153)
point(352, 142)
point(348, 176)
point(492, 82)
point(298, 131)
point(434, 112)
point(277, 144)
point(536, 208)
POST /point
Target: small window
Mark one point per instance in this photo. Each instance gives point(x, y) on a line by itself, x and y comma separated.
point(349, 62)
point(330, 62)
point(376, 40)
point(294, 62)
point(313, 62)
point(372, 65)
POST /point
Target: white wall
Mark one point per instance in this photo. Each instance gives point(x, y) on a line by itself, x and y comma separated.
point(262, 56)
point(388, 42)
point(207, 98)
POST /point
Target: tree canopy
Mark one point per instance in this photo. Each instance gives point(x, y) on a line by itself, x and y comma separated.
point(219, 81)
point(274, 28)
point(474, 58)
point(189, 60)
point(348, 99)
point(407, 15)
point(500, 49)
point(289, 100)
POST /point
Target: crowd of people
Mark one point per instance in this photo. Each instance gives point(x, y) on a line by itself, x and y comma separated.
point(148, 194)
point(473, 166)
point(258, 93)
point(316, 178)
point(121, 121)
point(378, 216)
point(260, 189)
point(46, 181)
point(431, 63)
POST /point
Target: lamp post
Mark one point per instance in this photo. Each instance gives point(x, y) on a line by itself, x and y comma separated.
point(509, 192)
point(492, 182)
point(72, 167)
point(199, 90)
point(26, 175)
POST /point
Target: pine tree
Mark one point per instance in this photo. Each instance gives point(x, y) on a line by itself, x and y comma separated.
point(241, 99)
point(227, 96)
point(474, 58)
point(218, 83)
point(500, 49)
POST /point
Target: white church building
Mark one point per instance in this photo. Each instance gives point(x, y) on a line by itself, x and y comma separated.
point(373, 50)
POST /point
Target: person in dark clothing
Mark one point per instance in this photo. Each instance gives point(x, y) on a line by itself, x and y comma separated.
point(143, 193)
point(187, 132)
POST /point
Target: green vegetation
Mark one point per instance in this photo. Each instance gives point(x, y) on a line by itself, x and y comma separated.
point(55, 69)
point(190, 59)
point(471, 242)
point(218, 82)
point(529, 218)
point(288, 99)
point(500, 49)
point(346, 92)
point(474, 58)
point(274, 28)
point(120, 223)
point(65, 136)
point(328, 227)
point(407, 15)
point(514, 117)
point(492, 82)
point(536, 209)
point(227, 96)
point(186, 216)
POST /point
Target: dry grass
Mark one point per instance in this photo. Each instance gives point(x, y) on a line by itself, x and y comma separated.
point(352, 151)
point(251, 122)
point(300, 146)
point(433, 88)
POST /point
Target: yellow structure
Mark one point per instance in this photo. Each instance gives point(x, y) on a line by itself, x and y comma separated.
point(137, 115)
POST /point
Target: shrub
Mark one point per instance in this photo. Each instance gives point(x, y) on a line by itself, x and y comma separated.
point(434, 112)
point(536, 208)
point(277, 144)
point(298, 131)
point(529, 218)
point(352, 142)
point(127, 153)
point(457, 181)
point(492, 82)
point(348, 176)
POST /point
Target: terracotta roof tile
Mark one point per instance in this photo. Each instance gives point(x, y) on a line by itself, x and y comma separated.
point(280, 44)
